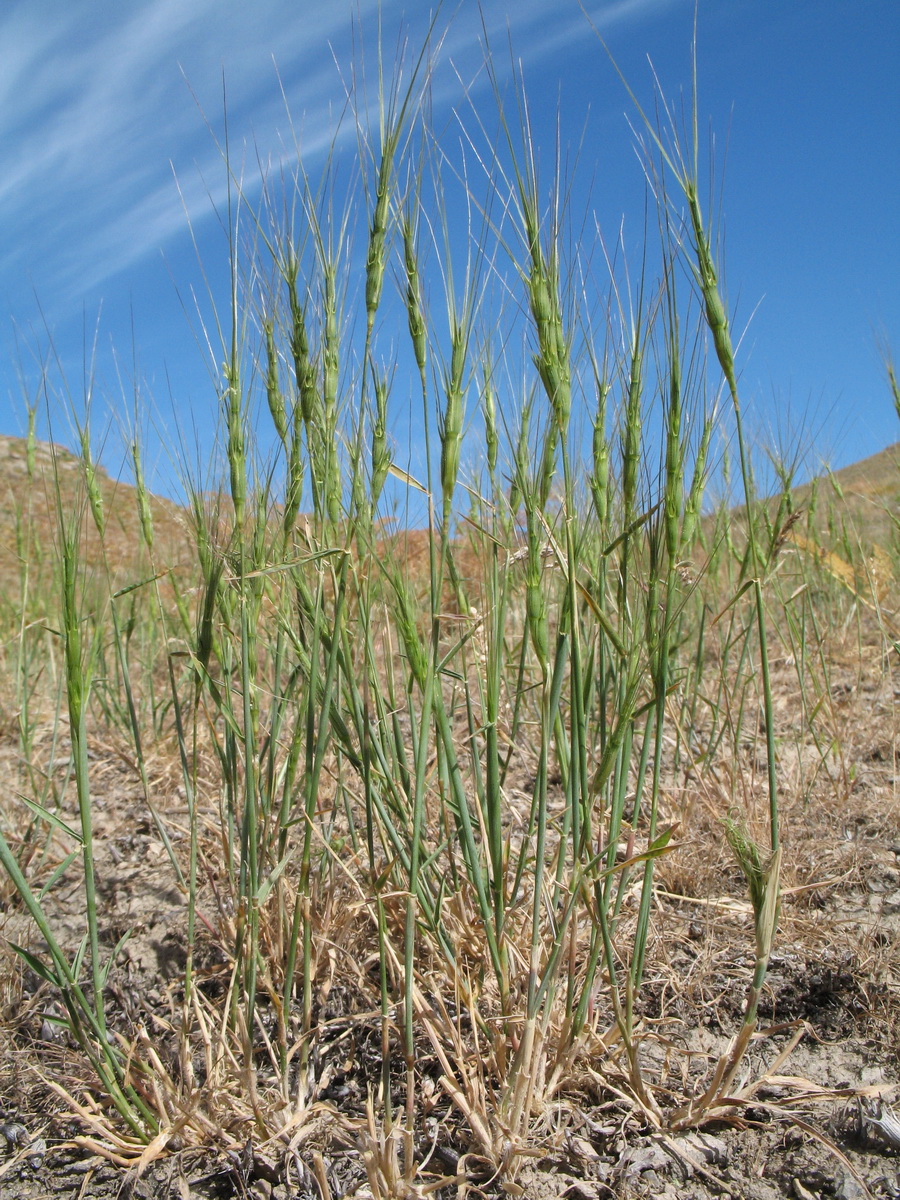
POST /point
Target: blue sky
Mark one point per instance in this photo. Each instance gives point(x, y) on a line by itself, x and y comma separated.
point(111, 181)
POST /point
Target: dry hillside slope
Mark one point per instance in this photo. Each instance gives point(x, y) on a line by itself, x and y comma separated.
point(867, 494)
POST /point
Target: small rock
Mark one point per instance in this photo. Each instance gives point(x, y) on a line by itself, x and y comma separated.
point(36, 1153)
point(801, 1192)
point(581, 1148)
point(891, 903)
point(871, 1076)
point(707, 1148)
point(638, 1159)
point(14, 1134)
point(577, 1190)
point(266, 1167)
point(848, 1188)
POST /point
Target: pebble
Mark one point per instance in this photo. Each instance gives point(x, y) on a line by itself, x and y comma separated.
point(847, 1188)
point(707, 1147)
point(639, 1160)
point(14, 1133)
point(36, 1153)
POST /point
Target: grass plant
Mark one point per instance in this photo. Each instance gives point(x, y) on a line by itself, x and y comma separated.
point(428, 779)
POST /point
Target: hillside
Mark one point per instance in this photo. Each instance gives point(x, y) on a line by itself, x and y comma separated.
point(866, 495)
point(29, 509)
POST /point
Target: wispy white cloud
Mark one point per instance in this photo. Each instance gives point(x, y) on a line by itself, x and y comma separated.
point(95, 104)
point(91, 116)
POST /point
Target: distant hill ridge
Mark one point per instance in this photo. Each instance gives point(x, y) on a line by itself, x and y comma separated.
point(877, 475)
point(865, 496)
point(867, 492)
point(28, 514)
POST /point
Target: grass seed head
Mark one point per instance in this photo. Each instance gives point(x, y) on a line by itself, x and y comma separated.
point(92, 483)
point(894, 386)
point(331, 342)
point(763, 879)
point(631, 434)
point(521, 464)
point(674, 468)
point(491, 434)
point(304, 369)
point(409, 633)
point(330, 371)
point(274, 394)
point(694, 501)
point(452, 420)
point(537, 613)
point(600, 453)
point(414, 312)
point(716, 317)
point(381, 459)
point(31, 441)
point(375, 261)
point(552, 359)
point(548, 464)
point(235, 449)
point(145, 513)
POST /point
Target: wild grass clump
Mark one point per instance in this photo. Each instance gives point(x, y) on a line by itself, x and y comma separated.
point(423, 797)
